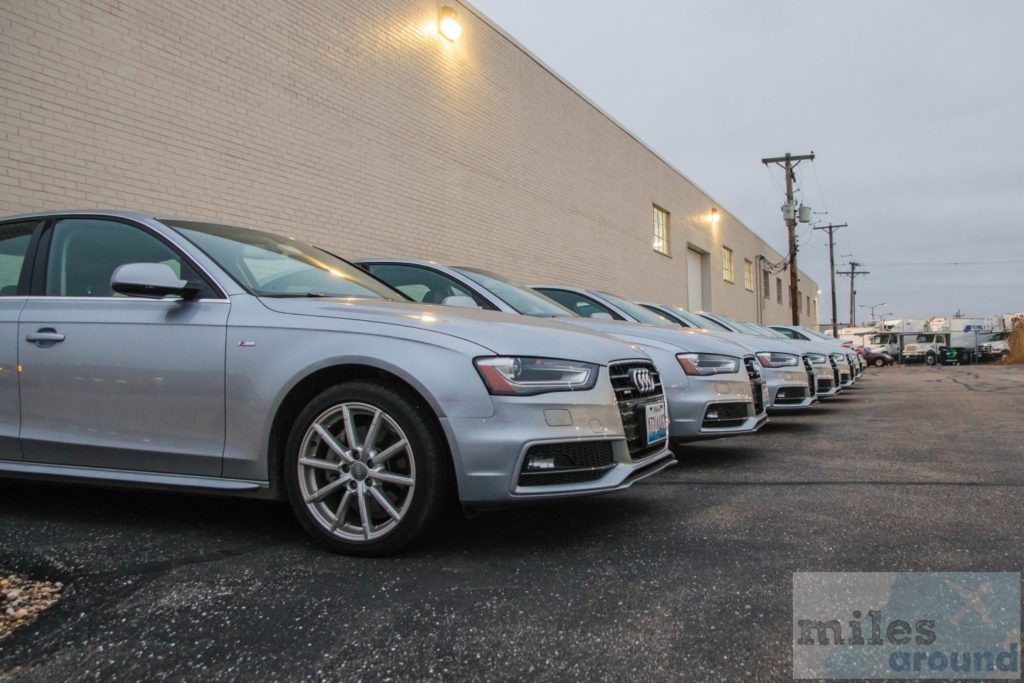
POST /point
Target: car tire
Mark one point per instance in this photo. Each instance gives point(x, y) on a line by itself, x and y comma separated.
point(930, 359)
point(879, 362)
point(370, 499)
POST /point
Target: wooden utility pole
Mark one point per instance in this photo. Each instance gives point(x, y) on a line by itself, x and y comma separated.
point(853, 273)
point(832, 270)
point(789, 162)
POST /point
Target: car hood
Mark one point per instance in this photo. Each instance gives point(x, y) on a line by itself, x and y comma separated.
point(498, 333)
point(757, 344)
point(699, 341)
point(816, 347)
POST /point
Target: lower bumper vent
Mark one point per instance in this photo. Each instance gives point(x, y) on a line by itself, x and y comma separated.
point(566, 463)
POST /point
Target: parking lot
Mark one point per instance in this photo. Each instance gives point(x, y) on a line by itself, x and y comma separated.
point(685, 575)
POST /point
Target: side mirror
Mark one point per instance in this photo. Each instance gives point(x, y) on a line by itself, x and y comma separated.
point(460, 302)
point(601, 315)
point(150, 281)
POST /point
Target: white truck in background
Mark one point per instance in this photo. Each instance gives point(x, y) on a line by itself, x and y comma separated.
point(996, 348)
point(892, 334)
point(920, 340)
point(962, 334)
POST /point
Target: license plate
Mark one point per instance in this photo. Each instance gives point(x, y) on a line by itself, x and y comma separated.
point(657, 422)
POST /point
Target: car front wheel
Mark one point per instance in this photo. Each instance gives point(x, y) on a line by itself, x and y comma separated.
point(365, 469)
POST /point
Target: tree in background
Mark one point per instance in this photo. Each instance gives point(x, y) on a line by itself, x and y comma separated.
point(1017, 344)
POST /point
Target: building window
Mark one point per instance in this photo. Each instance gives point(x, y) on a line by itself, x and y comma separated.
point(778, 289)
point(727, 270)
point(748, 275)
point(808, 304)
point(766, 284)
point(660, 230)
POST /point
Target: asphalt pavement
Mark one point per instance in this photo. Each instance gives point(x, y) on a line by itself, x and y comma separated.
point(686, 576)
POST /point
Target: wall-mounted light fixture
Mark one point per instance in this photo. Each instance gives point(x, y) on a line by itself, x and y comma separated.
point(715, 216)
point(448, 24)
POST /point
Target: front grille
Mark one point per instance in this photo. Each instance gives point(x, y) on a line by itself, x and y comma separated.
point(824, 384)
point(810, 376)
point(722, 415)
point(567, 463)
point(631, 400)
point(835, 370)
point(754, 373)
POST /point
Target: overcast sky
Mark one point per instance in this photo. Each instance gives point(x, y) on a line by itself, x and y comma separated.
point(915, 110)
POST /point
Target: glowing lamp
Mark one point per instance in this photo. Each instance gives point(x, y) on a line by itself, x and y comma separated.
point(448, 24)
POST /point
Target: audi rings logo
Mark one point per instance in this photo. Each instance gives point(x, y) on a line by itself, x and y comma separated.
point(642, 380)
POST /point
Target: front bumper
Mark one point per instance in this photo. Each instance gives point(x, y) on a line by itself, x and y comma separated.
point(788, 390)
point(710, 408)
point(489, 453)
point(825, 378)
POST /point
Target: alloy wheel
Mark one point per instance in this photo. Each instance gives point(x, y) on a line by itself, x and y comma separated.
point(357, 473)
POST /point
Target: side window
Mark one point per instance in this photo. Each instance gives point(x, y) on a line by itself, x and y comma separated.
point(577, 303)
point(14, 239)
point(422, 284)
point(789, 333)
point(85, 252)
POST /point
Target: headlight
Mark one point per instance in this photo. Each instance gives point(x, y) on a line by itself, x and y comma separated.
point(817, 358)
point(773, 359)
point(835, 356)
point(517, 376)
point(708, 364)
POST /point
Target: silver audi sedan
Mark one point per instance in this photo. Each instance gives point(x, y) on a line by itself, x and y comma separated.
point(188, 355)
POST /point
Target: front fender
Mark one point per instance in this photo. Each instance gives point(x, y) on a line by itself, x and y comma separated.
point(264, 363)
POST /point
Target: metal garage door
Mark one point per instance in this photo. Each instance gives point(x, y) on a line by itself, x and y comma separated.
point(695, 279)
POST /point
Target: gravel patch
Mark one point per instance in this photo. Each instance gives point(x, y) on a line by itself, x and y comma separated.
point(22, 600)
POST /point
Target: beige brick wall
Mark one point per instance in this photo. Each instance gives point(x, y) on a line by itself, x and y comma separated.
point(350, 124)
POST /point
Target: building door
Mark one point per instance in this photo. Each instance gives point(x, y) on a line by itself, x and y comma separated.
point(695, 280)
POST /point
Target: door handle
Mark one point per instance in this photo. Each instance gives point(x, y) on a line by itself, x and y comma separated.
point(45, 335)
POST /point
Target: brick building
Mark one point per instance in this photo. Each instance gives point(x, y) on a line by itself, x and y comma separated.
point(356, 126)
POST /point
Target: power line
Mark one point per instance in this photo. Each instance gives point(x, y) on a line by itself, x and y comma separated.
point(817, 182)
point(911, 285)
point(945, 263)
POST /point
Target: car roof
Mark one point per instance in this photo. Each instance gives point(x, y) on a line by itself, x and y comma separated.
point(115, 213)
point(417, 261)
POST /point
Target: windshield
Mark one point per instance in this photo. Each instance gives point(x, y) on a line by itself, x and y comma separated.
point(819, 335)
point(698, 321)
point(1000, 336)
point(270, 265)
point(880, 339)
point(749, 328)
point(636, 311)
point(733, 325)
point(522, 299)
point(769, 332)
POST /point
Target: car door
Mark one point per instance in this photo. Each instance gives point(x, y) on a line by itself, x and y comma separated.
point(14, 244)
point(112, 381)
